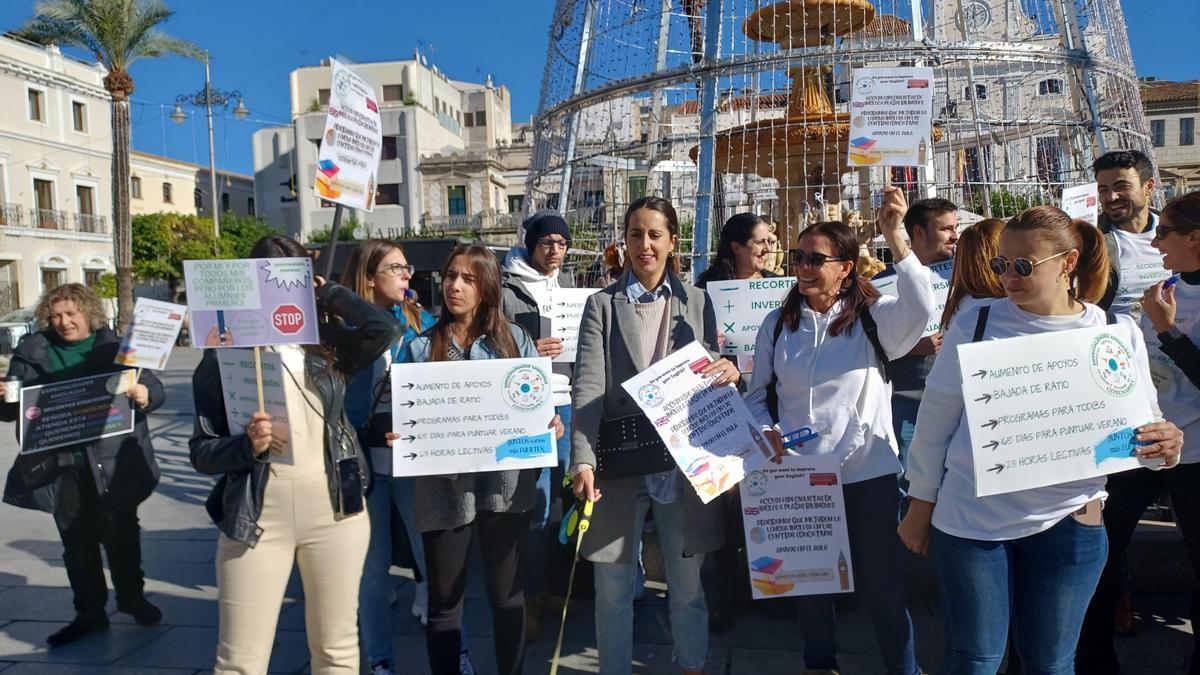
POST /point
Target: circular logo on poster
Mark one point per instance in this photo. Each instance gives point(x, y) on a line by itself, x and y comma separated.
point(341, 85)
point(33, 412)
point(526, 388)
point(865, 85)
point(650, 395)
point(757, 535)
point(756, 483)
point(1112, 365)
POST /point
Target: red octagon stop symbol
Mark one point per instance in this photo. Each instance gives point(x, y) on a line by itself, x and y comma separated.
point(288, 319)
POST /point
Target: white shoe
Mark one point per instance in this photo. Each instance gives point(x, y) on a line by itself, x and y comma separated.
point(420, 606)
point(464, 664)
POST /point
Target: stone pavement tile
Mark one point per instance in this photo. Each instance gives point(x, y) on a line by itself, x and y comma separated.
point(32, 572)
point(26, 641)
point(178, 550)
point(196, 648)
point(38, 603)
point(164, 575)
point(60, 669)
point(196, 609)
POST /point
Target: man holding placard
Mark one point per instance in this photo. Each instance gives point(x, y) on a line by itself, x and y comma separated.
point(86, 455)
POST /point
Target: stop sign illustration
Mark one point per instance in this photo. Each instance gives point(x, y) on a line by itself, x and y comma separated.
point(288, 319)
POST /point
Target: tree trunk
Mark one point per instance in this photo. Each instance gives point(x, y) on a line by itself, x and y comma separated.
point(122, 224)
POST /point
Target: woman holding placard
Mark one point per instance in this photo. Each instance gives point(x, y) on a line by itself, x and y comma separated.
point(495, 505)
point(626, 327)
point(303, 504)
point(1034, 555)
point(972, 283)
point(93, 489)
point(379, 271)
point(820, 364)
point(1170, 323)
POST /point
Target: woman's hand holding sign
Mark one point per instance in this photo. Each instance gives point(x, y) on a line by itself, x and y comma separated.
point(259, 433)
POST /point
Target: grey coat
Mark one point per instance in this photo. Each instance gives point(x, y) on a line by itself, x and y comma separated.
point(450, 501)
point(605, 360)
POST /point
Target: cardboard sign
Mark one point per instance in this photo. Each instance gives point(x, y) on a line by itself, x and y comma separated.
point(470, 416)
point(240, 386)
point(1054, 407)
point(151, 335)
point(708, 430)
point(351, 143)
point(566, 312)
point(939, 281)
point(1083, 202)
point(75, 411)
point(741, 305)
point(891, 116)
point(794, 518)
point(252, 302)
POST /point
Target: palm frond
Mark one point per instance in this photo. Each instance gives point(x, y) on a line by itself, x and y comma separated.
point(115, 32)
point(155, 44)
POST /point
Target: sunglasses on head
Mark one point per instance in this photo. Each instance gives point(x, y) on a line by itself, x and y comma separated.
point(803, 258)
point(1023, 266)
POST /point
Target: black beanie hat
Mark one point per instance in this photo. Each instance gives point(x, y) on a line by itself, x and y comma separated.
point(542, 224)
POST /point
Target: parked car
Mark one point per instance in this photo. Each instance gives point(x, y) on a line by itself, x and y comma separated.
point(13, 326)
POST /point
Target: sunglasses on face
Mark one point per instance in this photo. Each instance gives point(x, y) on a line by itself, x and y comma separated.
point(1023, 266)
point(1161, 233)
point(802, 258)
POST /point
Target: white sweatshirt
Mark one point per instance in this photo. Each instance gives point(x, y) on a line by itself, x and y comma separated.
point(1179, 398)
point(1140, 267)
point(540, 287)
point(940, 459)
point(835, 385)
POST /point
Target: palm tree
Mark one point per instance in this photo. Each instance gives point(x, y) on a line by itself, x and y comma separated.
point(116, 33)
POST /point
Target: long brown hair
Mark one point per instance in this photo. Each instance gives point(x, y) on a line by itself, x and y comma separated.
point(859, 292)
point(489, 322)
point(1183, 212)
point(364, 264)
point(1089, 279)
point(664, 207)
point(973, 276)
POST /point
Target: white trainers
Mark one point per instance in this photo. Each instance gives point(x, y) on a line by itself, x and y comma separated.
point(420, 606)
point(464, 664)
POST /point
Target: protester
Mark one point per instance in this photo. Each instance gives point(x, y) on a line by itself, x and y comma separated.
point(742, 253)
point(972, 282)
point(820, 360)
point(530, 276)
point(1171, 325)
point(648, 313)
point(1125, 181)
point(379, 271)
point(1032, 556)
point(92, 489)
point(932, 227)
point(495, 505)
point(307, 507)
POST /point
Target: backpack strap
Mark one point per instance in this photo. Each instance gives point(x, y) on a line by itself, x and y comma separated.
point(981, 322)
point(872, 330)
point(1111, 316)
point(773, 387)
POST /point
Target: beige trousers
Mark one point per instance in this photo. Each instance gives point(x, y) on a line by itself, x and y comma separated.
point(298, 525)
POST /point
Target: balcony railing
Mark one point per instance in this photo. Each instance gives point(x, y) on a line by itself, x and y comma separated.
point(51, 219)
point(11, 215)
point(89, 222)
point(482, 221)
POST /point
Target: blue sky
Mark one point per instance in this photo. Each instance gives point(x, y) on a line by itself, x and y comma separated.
point(256, 43)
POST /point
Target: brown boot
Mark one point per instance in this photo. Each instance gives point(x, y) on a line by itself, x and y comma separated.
point(1123, 622)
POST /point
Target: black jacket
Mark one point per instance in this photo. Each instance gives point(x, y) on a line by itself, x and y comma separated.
point(237, 499)
point(122, 467)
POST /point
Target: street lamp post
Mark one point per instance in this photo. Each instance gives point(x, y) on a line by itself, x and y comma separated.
point(209, 97)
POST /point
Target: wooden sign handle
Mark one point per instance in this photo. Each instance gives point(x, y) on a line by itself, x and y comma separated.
point(262, 406)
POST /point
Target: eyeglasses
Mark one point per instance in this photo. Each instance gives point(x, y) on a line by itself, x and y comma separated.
point(549, 244)
point(801, 258)
point(396, 270)
point(1023, 266)
point(1161, 233)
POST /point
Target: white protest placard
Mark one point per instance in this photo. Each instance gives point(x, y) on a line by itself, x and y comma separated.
point(708, 430)
point(239, 384)
point(1082, 201)
point(351, 143)
point(470, 416)
point(741, 305)
point(151, 335)
point(252, 302)
point(566, 311)
point(1054, 407)
point(939, 281)
point(891, 116)
point(794, 518)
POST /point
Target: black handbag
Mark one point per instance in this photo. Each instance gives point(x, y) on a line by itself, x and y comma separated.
point(630, 446)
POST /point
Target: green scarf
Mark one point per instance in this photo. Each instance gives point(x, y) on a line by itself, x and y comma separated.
point(65, 355)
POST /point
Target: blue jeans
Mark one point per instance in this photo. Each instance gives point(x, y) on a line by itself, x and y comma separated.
point(374, 595)
point(904, 424)
point(875, 552)
point(615, 588)
point(548, 484)
point(1042, 582)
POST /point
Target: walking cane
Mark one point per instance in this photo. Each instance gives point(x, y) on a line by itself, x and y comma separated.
point(584, 523)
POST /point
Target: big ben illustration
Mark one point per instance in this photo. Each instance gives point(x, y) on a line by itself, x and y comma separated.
point(843, 572)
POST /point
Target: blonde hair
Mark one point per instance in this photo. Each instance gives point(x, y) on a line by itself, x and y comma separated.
point(85, 299)
point(1089, 279)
